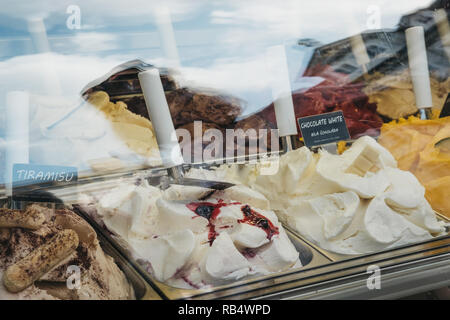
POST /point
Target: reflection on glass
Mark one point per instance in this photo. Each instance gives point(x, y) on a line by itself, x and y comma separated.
point(51, 54)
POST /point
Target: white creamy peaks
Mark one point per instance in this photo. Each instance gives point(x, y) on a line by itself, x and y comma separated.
point(180, 192)
point(127, 210)
point(278, 255)
point(248, 236)
point(386, 226)
point(336, 210)
point(174, 217)
point(224, 261)
point(167, 253)
point(193, 243)
point(384, 156)
point(245, 195)
point(333, 169)
point(353, 203)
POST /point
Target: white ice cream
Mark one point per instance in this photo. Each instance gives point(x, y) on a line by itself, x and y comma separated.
point(354, 203)
point(182, 248)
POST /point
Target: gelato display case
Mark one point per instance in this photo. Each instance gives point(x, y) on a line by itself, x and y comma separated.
point(224, 150)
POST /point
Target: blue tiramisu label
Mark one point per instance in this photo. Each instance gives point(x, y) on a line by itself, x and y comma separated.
point(30, 174)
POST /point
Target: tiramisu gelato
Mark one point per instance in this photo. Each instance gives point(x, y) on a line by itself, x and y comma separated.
point(191, 237)
point(41, 248)
point(422, 147)
point(355, 203)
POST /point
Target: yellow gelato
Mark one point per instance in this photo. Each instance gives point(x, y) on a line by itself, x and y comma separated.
point(135, 130)
point(417, 146)
point(394, 94)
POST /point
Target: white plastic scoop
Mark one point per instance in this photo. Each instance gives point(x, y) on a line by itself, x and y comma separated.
point(170, 150)
point(282, 95)
point(360, 52)
point(418, 65)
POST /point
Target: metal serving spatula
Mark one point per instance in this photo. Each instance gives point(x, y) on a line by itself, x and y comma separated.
point(169, 148)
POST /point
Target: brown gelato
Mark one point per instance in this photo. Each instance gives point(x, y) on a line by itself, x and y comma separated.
point(100, 278)
point(187, 106)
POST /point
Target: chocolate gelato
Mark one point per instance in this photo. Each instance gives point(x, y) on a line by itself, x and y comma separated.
point(257, 123)
point(214, 109)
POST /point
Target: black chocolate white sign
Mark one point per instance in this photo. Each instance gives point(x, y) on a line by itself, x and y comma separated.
point(323, 128)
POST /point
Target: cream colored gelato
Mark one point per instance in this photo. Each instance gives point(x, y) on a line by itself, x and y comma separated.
point(100, 278)
point(191, 243)
point(136, 131)
point(354, 203)
point(394, 94)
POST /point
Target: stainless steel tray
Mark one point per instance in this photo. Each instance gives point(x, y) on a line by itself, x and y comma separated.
point(322, 274)
point(309, 257)
point(326, 275)
point(69, 195)
point(324, 269)
point(342, 257)
point(142, 290)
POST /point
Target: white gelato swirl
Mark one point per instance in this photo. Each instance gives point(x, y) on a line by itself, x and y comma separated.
point(188, 250)
point(323, 198)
